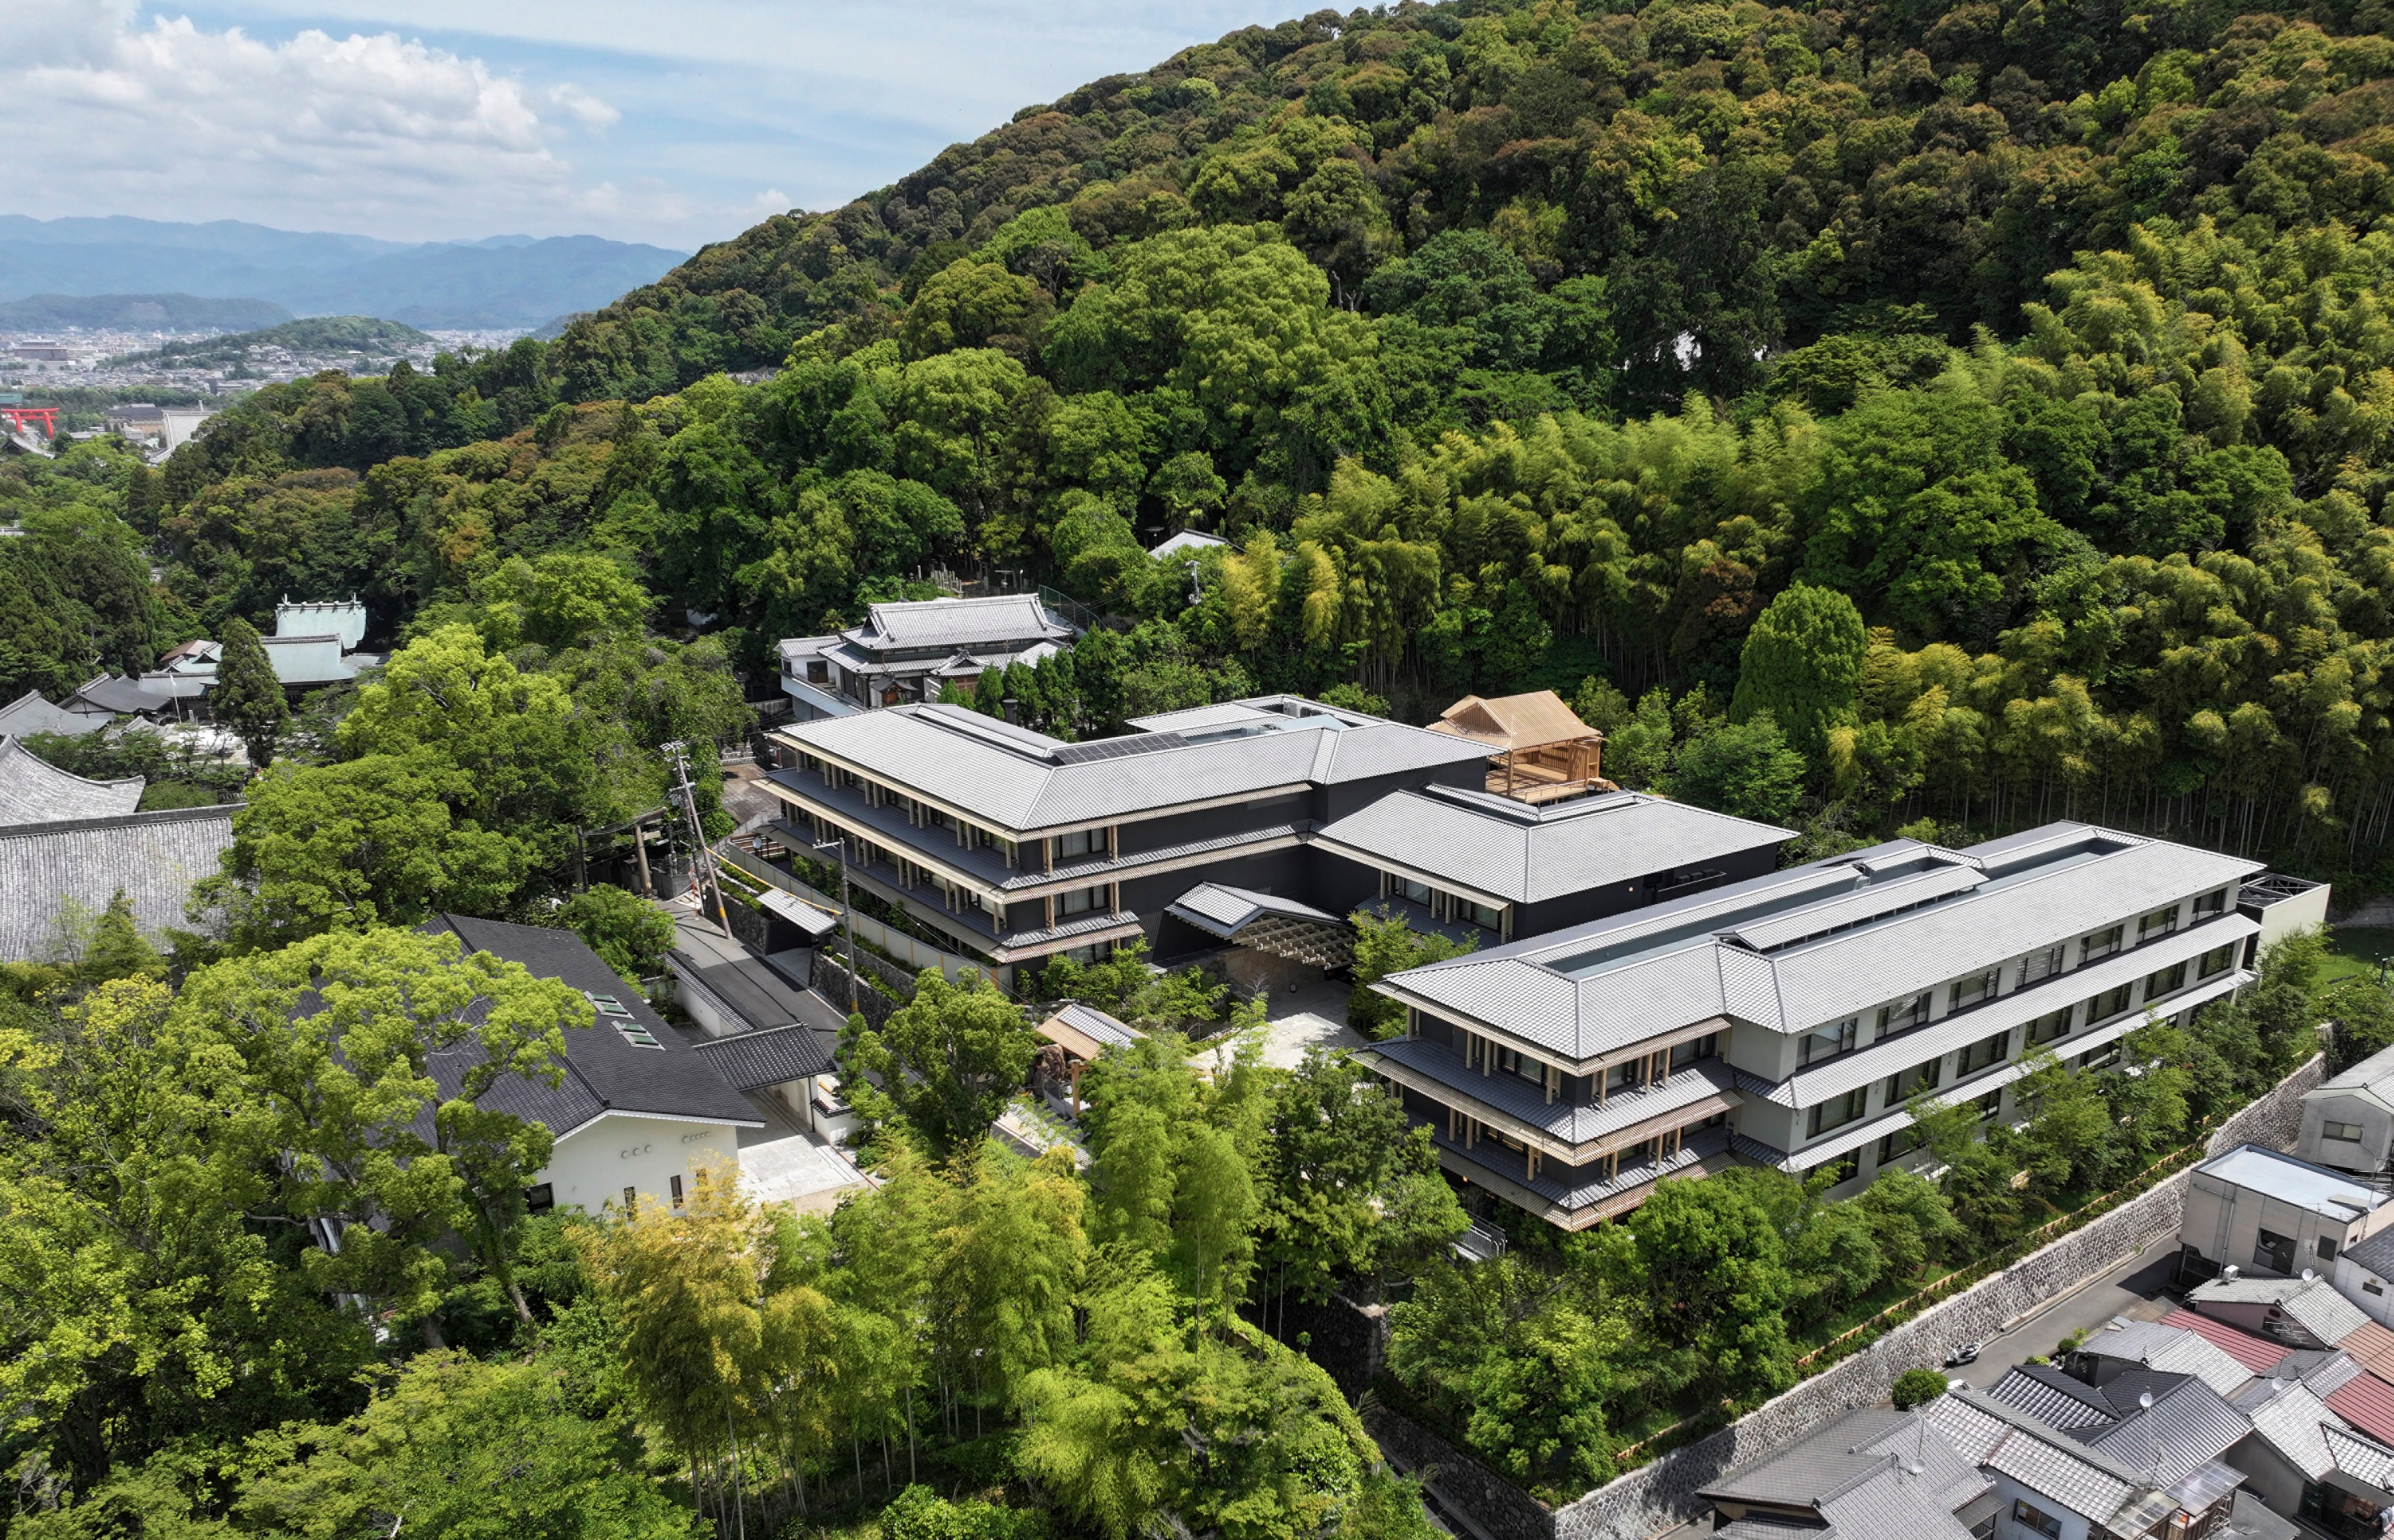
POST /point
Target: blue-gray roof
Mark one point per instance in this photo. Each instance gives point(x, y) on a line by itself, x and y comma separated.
point(34, 790)
point(152, 858)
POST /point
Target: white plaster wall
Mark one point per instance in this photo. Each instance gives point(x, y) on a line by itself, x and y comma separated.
point(592, 1165)
point(2377, 1132)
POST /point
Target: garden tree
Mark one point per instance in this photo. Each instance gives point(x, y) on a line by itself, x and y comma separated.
point(1125, 985)
point(630, 934)
point(369, 841)
point(1714, 1274)
point(155, 1302)
point(1011, 1266)
point(559, 600)
point(946, 1063)
point(248, 697)
point(2360, 1021)
point(1746, 768)
point(321, 1058)
point(1803, 664)
point(1351, 1188)
point(452, 1445)
point(1917, 1388)
point(1384, 946)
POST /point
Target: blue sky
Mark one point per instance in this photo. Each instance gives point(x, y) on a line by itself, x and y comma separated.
point(674, 122)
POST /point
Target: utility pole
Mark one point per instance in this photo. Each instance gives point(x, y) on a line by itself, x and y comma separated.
point(846, 914)
point(704, 873)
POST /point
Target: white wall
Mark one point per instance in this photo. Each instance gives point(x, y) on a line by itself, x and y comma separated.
point(592, 1165)
point(2368, 1156)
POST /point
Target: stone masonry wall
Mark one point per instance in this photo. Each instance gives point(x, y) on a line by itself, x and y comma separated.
point(1662, 1495)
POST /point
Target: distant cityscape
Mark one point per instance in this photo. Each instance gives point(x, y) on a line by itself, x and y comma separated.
point(101, 358)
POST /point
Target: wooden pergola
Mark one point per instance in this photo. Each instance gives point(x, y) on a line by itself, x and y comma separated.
point(1538, 749)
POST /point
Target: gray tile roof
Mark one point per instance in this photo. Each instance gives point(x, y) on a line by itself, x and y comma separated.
point(605, 1071)
point(1509, 1094)
point(151, 692)
point(34, 790)
point(1018, 781)
point(2375, 1253)
point(2014, 1443)
point(752, 1060)
point(2312, 1304)
point(1516, 853)
point(1225, 911)
point(1871, 1474)
point(2372, 1078)
point(31, 713)
point(1597, 986)
point(959, 623)
point(2170, 1349)
point(2294, 1422)
point(152, 858)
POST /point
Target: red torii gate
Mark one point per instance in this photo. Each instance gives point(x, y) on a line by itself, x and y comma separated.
point(18, 417)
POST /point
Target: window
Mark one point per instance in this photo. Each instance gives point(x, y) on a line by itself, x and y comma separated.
point(1970, 991)
point(2212, 904)
point(631, 1198)
point(2216, 961)
point(2274, 1251)
point(1479, 914)
point(2100, 944)
point(1990, 1104)
point(1842, 1170)
point(2168, 980)
point(1685, 1054)
point(1899, 1144)
point(2047, 1028)
point(1626, 1076)
point(611, 1010)
point(1831, 1041)
point(1081, 842)
point(1080, 900)
point(1511, 1062)
point(2343, 1133)
point(2096, 1059)
point(2040, 965)
point(1840, 1111)
point(676, 1183)
point(1903, 1016)
point(2326, 1248)
point(2161, 922)
point(1416, 892)
point(2371, 1285)
point(1986, 1051)
point(2111, 1002)
point(2029, 1516)
point(541, 1199)
point(1906, 1084)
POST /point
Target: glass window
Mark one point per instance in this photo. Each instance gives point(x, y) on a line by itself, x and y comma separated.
point(1480, 914)
point(2216, 961)
point(1990, 1104)
point(1906, 1084)
point(676, 1183)
point(1986, 1051)
point(1899, 1144)
point(541, 1199)
point(1831, 1041)
point(2040, 965)
point(2212, 904)
point(2168, 980)
point(2273, 1251)
point(2161, 922)
point(2343, 1133)
point(1837, 1114)
point(1969, 992)
point(2029, 1516)
point(1903, 1015)
point(2326, 1248)
point(2100, 944)
point(2046, 1029)
point(1081, 901)
point(2112, 1002)
point(2095, 1059)
point(1685, 1054)
point(1080, 842)
point(1419, 892)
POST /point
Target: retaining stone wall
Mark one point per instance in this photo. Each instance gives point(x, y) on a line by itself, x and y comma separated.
point(1662, 1495)
point(830, 976)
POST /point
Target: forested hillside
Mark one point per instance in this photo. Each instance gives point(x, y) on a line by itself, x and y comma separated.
point(1518, 345)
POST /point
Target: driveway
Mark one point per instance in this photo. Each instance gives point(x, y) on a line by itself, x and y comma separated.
point(2133, 1289)
point(796, 1170)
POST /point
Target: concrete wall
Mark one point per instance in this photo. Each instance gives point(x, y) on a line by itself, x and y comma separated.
point(2366, 1156)
point(592, 1165)
point(1662, 1495)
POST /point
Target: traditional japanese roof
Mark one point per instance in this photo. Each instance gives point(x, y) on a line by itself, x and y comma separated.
point(1013, 779)
point(2312, 1303)
point(2183, 1427)
point(30, 713)
point(2173, 1349)
point(752, 1061)
point(1510, 722)
point(152, 858)
point(2293, 1421)
point(1086, 1032)
point(147, 693)
point(341, 618)
point(1871, 1474)
point(1833, 938)
point(952, 623)
point(1506, 852)
point(2015, 1443)
point(2256, 1354)
point(34, 790)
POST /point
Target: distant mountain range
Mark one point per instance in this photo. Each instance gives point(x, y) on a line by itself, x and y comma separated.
point(506, 280)
point(171, 312)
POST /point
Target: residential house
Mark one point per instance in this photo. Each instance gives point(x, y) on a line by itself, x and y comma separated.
point(637, 1111)
point(905, 652)
point(1792, 1018)
point(1871, 1474)
point(2348, 1120)
point(2267, 1214)
point(1256, 823)
point(2171, 1430)
point(2300, 1312)
point(1538, 749)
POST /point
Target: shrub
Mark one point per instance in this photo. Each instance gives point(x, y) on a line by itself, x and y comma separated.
point(1917, 1388)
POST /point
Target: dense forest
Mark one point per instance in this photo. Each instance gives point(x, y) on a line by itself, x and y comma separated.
point(1943, 417)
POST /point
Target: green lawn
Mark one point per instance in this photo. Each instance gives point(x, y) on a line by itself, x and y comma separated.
point(2356, 950)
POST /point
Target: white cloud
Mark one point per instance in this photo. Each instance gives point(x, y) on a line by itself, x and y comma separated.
point(370, 132)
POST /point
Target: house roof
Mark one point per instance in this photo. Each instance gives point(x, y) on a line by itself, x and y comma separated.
point(152, 858)
point(606, 1071)
point(1516, 853)
point(2312, 1303)
point(345, 618)
point(31, 713)
point(1833, 938)
point(2185, 1426)
point(34, 790)
point(1014, 779)
point(1188, 542)
point(2171, 1348)
point(1225, 911)
point(149, 693)
point(2365, 1402)
point(2299, 1183)
point(2015, 1443)
point(2293, 1421)
point(752, 1061)
point(2374, 1252)
point(1874, 1474)
point(1506, 722)
point(2372, 1080)
point(953, 623)
point(2256, 1354)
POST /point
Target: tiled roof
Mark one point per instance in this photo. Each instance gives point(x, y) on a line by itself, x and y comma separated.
point(2294, 1422)
point(31, 713)
point(34, 790)
point(2311, 1303)
point(1704, 1079)
point(959, 621)
point(2365, 1402)
point(1226, 911)
point(752, 1060)
point(1871, 1474)
point(1584, 989)
point(2372, 1078)
point(2013, 1443)
point(2368, 1459)
point(152, 858)
point(2372, 1253)
point(1518, 854)
point(134, 696)
point(2172, 1349)
point(2055, 1399)
point(2255, 1353)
